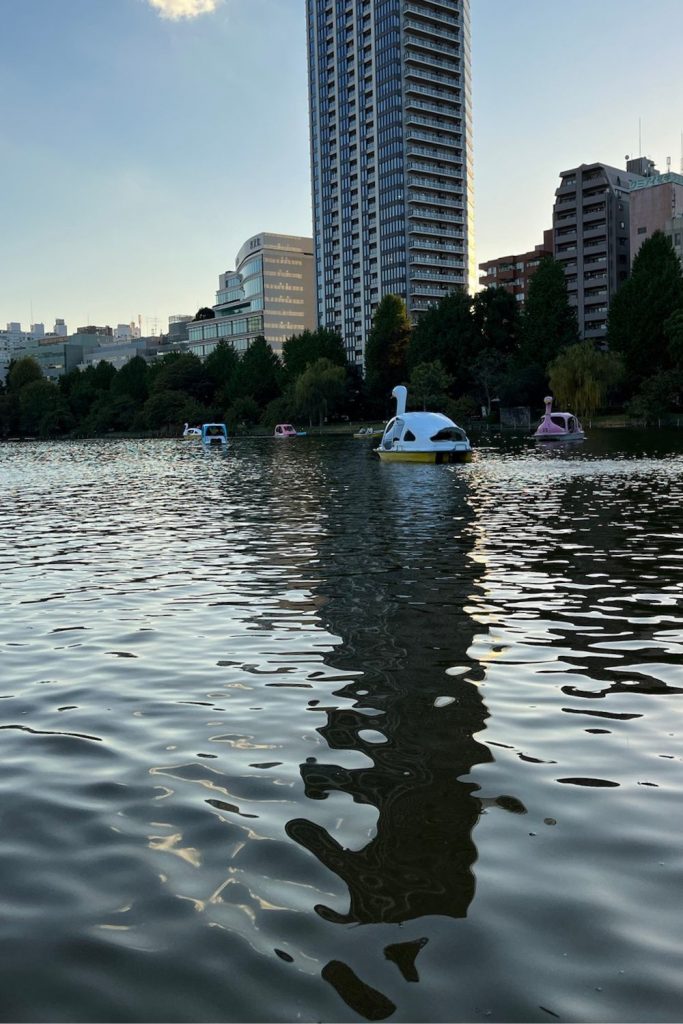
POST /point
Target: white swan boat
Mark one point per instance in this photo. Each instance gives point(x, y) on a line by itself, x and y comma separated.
point(422, 436)
point(190, 433)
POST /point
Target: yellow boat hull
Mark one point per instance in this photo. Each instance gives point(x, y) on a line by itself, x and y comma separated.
point(433, 457)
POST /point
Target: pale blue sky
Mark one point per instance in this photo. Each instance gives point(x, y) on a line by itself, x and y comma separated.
point(138, 153)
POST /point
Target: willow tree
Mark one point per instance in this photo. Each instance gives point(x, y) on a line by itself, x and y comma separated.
point(581, 376)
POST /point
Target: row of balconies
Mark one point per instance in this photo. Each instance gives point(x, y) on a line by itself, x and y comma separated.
point(437, 15)
point(432, 122)
point(431, 214)
point(446, 81)
point(445, 106)
point(435, 229)
point(429, 58)
point(436, 200)
point(431, 30)
point(434, 154)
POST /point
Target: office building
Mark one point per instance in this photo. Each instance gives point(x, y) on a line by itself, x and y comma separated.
point(515, 272)
point(592, 237)
point(270, 293)
point(391, 156)
point(657, 205)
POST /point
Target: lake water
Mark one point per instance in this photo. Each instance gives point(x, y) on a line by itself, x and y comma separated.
point(290, 734)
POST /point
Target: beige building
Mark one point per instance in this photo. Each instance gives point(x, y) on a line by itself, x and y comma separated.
point(270, 292)
point(657, 205)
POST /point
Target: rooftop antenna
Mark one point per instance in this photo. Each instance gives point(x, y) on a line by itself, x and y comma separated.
point(681, 152)
point(668, 165)
point(640, 147)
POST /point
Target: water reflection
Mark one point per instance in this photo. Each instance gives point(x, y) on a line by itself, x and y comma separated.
point(414, 712)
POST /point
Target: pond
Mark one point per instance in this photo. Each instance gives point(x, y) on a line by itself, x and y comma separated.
point(291, 734)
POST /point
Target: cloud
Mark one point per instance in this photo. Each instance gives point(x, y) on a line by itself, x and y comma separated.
point(177, 9)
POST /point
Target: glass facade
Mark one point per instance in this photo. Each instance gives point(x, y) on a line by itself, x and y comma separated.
point(270, 293)
point(389, 90)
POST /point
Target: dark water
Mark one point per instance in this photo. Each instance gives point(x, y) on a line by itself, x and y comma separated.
point(289, 734)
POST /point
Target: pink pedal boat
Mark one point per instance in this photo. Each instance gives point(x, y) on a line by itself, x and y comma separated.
point(558, 426)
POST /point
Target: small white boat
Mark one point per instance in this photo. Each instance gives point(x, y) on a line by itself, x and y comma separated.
point(366, 432)
point(214, 434)
point(192, 432)
point(422, 436)
point(558, 426)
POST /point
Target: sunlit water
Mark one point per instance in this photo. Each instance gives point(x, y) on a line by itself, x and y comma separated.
point(290, 734)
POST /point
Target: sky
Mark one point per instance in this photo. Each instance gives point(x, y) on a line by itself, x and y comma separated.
point(142, 142)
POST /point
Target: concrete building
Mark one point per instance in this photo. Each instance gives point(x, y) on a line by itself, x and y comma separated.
point(515, 272)
point(657, 205)
point(270, 293)
point(391, 156)
point(592, 237)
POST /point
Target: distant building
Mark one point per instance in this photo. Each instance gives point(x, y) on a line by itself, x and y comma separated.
point(270, 293)
point(60, 329)
point(177, 327)
point(515, 272)
point(657, 205)
point(592, 237)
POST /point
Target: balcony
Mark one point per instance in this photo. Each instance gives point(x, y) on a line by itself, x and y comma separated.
point(436, 154)
point(438, 172)
point(430, 59)
point(429, 122)
point(446, 81)
point(436, 200)
point(437, 10)
point(421, 26)
point(432, 215)
point(434, 229)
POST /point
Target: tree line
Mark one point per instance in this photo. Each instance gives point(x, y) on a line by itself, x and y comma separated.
point(465, 355)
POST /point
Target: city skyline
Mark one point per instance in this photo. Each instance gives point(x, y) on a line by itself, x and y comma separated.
point(139, 150)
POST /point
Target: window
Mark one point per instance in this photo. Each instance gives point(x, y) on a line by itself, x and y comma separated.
point(642, 231)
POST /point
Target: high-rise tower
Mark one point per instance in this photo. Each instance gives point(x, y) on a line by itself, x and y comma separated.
point(391, 156)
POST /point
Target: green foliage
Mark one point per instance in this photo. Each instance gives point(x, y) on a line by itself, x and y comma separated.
point(167, 410)
point(301, 350)
point(548, 322)
point(220, 366)
point(258, 374)
point(319, 390)
point(244, 412)
point(581, 376)
point(446, 332)
point(673, 331)
point(22, 372)
point(280, 410)
point(429, 385)
point(43, 412)
point(495, 315)
point(643, 306)
point(184, 373)
point(205, 313)
point(386, 348)
point(132, 380)
point(659, 394)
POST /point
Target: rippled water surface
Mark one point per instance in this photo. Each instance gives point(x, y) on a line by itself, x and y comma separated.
point(289, 734)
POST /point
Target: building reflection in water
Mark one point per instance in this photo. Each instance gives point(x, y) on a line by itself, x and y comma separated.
point(397, 599)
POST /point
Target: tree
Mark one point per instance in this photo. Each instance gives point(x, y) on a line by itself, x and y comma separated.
point(301, 350)
point(243, 412)
point(386, 347)
point(183, 373)
point(643, 306)
point(220, 366)
point(580, 377)
point(168, 410)
point(22, 372)
point(548, 322)
point(258, 374)
point(43, 410)
point(495, 315)
point(446, 332)
point(429, 385)
point(205, 313)
point(132, 380)
point(319, 389)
